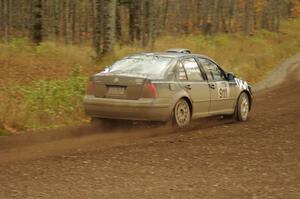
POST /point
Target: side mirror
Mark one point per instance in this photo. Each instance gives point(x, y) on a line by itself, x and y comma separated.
point(230, 76)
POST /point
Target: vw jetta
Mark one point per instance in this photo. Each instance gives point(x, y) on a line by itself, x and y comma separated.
point(172, 86)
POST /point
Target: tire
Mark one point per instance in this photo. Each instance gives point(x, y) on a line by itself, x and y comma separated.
point(181, 114)
point(242, 108)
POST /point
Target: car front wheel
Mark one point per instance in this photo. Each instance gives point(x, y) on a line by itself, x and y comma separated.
point(243, 107)
point(182, 114)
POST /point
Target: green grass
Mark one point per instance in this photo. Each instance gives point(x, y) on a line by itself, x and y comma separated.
point(43, 87)
point(4, 132)
point(46, 103)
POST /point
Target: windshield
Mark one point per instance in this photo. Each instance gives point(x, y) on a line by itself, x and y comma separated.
point(153, 66)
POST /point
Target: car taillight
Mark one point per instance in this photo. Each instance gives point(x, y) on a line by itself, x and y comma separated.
point(152, 89)
point(149, 90)
point(90, 88)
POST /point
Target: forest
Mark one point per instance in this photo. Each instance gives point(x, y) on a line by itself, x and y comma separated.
point(102, 23)
point(49, 48)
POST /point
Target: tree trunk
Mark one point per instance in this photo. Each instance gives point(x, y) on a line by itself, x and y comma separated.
point(6, 21)
point(109, 26)
point(73, 14)
point(248, 21)
point(119, 22)
point(215, 16)
point(56, 23)
point(165, 13)
point(37, 22)
point(153, 7)
point(98, 29)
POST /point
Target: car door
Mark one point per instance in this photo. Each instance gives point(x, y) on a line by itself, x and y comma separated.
point(221, 91)
point(193, 81)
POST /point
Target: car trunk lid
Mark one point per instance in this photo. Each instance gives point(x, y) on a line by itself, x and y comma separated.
point(118, 86)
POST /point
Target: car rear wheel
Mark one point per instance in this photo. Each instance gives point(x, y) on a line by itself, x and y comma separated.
point(243, 107)
point(182, 114)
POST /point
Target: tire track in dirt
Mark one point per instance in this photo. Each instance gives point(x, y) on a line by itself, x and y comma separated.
point(68, 140)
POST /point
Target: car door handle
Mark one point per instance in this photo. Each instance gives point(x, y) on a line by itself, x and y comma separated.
point(212, 86)
point(188, 86)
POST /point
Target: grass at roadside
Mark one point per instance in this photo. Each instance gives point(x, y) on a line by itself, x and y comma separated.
point(4, 132)
point(43, 87)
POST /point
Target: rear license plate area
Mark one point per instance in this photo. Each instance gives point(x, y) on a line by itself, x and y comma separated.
point(116, 90)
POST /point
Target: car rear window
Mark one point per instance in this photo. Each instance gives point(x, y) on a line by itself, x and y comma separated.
point(153, 66)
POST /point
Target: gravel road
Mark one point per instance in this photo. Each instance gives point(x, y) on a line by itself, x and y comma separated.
point(216, 158)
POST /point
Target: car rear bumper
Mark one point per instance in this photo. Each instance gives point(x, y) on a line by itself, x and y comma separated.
point(142, 109)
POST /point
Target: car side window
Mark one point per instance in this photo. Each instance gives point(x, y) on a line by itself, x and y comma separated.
point(181, 72)
point(212, 71)
point(192, 69)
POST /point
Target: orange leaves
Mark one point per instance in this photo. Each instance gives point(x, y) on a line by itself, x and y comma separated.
point(259, 4)
point(296, 9)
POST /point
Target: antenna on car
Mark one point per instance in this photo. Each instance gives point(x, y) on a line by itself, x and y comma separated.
point(179, 50)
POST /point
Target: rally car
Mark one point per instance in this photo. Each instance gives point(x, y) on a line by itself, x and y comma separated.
point(175, 86)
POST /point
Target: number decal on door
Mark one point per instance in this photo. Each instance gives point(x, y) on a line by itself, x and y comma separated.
point(223, 90)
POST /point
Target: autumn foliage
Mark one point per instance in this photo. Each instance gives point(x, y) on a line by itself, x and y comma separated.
point(103, 23)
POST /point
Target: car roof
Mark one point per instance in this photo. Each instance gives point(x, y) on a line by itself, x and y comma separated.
point(172, 55)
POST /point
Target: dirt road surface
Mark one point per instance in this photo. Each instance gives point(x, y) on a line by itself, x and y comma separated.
point(216, 158)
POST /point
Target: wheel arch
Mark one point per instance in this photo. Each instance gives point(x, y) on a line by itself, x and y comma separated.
point(178, 122)
point(186, 98)
point(249, 97)
point(189, 103)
